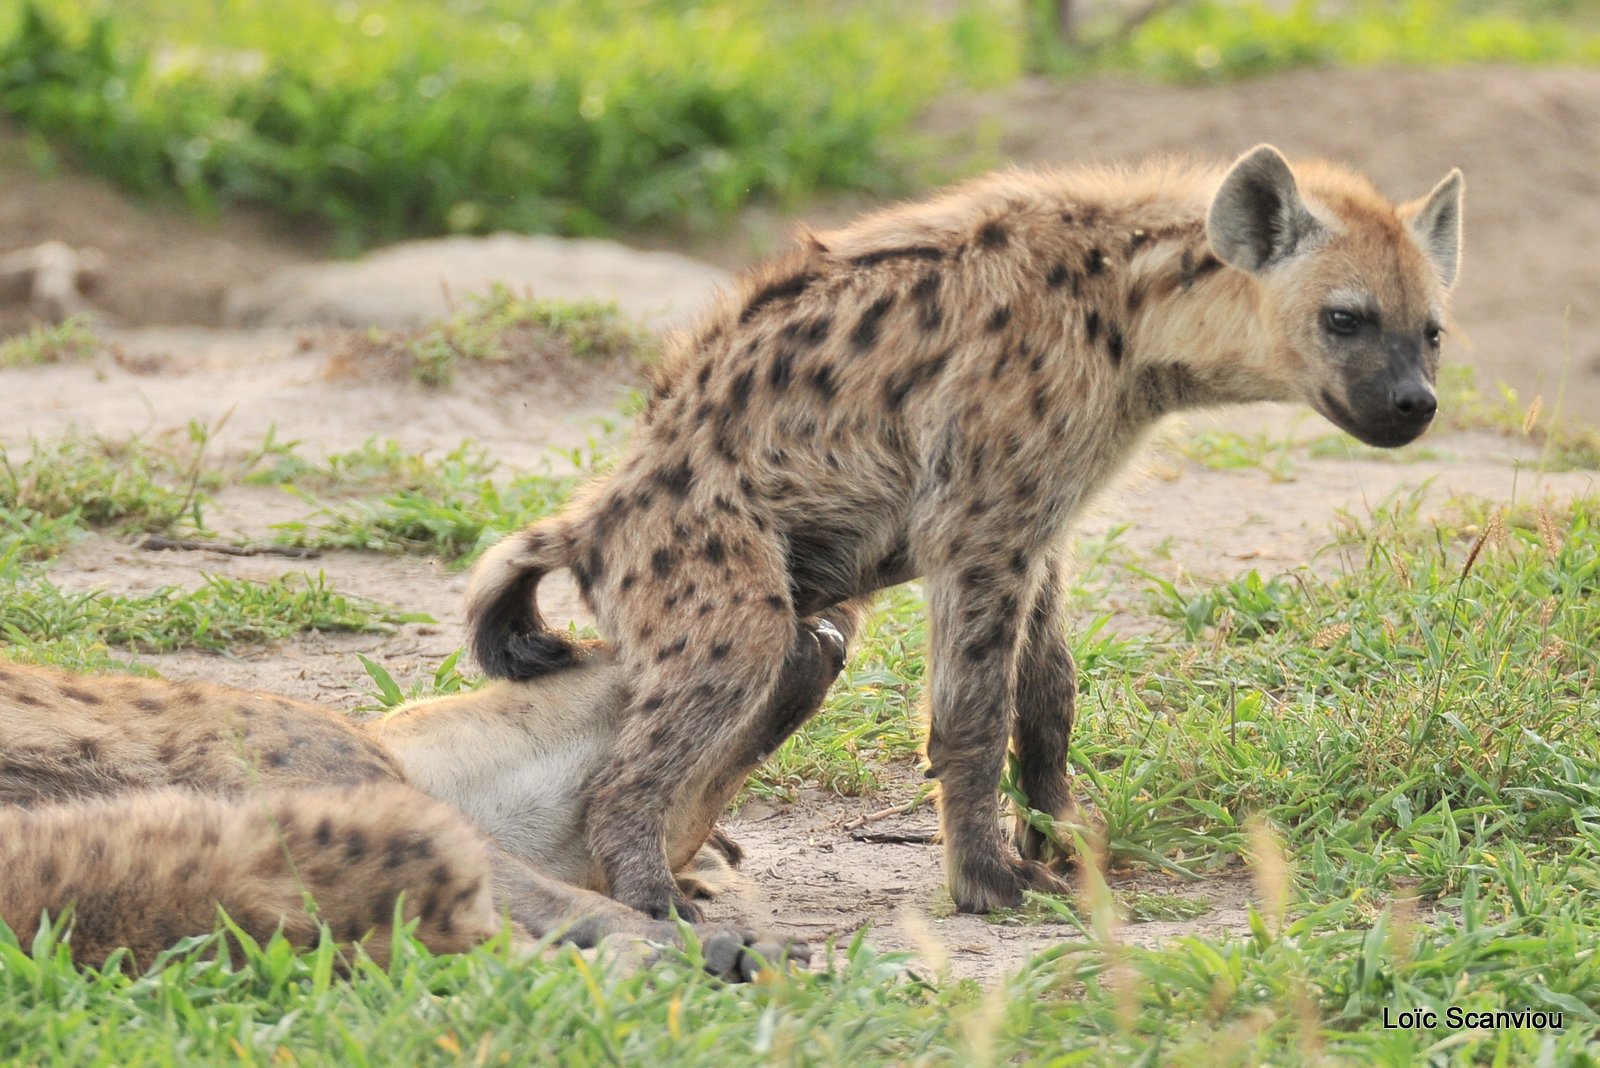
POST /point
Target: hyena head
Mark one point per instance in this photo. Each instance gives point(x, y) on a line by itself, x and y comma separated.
point(1353, 287)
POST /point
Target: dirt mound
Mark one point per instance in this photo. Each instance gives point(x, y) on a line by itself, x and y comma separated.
point(418, 281)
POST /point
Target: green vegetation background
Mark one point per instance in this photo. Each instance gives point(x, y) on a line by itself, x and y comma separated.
point(393, 117)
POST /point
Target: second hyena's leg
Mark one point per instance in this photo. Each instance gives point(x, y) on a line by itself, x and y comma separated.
point(976, 627)
point(1046, 690)
point(545, 907)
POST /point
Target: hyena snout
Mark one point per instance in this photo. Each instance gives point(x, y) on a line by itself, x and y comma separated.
point(1387, 409)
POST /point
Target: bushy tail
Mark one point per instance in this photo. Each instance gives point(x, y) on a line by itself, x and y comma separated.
point(507, 634)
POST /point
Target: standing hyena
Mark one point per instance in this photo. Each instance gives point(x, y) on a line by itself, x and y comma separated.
point(935, 391)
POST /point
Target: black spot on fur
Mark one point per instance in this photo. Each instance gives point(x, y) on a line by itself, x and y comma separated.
point(776, 603)
point(1195, 269)
point(782, 370)
point(628, 579)
point(662, 561)
point(1114, 346)
point(82, 696)
point(1000, 364)
point(1091, 326)
point(908, 252)
point(355, 846)
point(276, 759)
point(899, 386)
point(652, 703)
point(739, 394)
point(782, 289)
point(720, 650)
point(1058, 276)
point(821, 380)
point(704, 376)
point(993, 235)
point(999, 319)
point(817, 330)
point(667, 652)
point(1136, 295)
point(865, 335)
point(715, 551)
point(148, 704)
point(675, 479)
point(323, 835)
point(1095, 262)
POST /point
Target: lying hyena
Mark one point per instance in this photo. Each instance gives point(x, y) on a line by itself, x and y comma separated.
point(145, 804)
point(936, 391)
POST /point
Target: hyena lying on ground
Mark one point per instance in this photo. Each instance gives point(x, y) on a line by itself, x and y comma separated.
point(145, 804)
point(936, 391)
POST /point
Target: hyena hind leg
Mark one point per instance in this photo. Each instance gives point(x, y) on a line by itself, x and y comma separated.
point(1045, 696)
point(810, 668)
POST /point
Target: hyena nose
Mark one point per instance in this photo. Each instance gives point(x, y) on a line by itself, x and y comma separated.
point(1414, 400)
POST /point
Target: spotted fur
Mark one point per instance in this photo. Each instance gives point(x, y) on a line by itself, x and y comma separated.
point(992, 356)
point(142, 806)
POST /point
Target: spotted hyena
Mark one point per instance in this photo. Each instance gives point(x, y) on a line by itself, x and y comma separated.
point(143, 805)
point(936, 391)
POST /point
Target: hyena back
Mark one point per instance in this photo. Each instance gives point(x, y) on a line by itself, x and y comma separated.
point(935, 391)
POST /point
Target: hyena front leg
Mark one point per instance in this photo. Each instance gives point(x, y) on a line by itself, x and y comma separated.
point(1046, 692)
point(975, 616)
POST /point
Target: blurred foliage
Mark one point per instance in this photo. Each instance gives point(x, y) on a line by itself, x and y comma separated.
point(392, 117)
point(397, 116)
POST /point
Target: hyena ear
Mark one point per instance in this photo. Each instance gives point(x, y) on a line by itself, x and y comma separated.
point(1436, 220)
point(1257, 218)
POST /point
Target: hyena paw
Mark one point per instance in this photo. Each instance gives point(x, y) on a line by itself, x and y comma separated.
point(666, 906)
point(740, 955)
point(985, 887)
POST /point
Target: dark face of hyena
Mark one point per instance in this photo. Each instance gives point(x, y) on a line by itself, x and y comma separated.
point(1355, 293)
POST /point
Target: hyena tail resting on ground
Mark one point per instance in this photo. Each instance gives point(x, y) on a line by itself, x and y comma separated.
point(936, 391)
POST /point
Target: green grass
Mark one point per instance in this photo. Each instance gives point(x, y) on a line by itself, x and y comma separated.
point(459, 512)
point(56, 488)
point(1218, 40)
point(498, 329)
point(402, 116)
point(68, 340)
point(1405, 754)
point(1406, 757)
point(396, 117)
point(41, 622)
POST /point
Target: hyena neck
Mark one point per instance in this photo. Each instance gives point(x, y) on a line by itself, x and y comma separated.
point(1203, 346)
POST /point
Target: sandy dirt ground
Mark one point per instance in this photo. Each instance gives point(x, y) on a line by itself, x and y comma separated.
point(1531, 293)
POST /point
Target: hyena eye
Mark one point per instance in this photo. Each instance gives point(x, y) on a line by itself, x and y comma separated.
point(1339, 321)
point(1431, 335)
